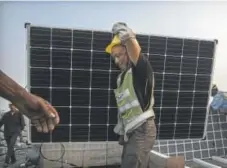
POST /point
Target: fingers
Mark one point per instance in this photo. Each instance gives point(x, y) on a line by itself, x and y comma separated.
point(51, 112)
point(56, 118)
point(37, 124)
point(119, 26)
point(50, 124)
point(44, 125)
point(45, 128)
point(46, 108)
point(50, 116)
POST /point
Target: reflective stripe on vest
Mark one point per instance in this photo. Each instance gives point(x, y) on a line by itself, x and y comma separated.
point(130, 113)
point(129, 105)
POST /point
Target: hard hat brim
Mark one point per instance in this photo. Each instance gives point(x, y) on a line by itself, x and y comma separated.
point(115, 41)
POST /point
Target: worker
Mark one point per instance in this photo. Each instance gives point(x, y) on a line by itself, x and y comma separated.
point(14, 124)
point(135, 99)
point(41, 113)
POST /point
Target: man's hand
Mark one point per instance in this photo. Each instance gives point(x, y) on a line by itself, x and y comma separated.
point(41, 113)
point(128, 39)
point(124, 32)
point(121, 140)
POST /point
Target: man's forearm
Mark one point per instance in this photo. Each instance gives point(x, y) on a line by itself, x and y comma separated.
point(133, 49)
point(10, 90)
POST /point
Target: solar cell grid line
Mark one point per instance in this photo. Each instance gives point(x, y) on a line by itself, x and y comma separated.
point(200, 80)
point(60, 79)
point(162, 90)
point(213, 131)
point(72, 65)
point(71, 72)
point(108, 104)
point(190, 122)
point(200, 149)
point(221, 131)
point(50, 87)
point(90, 88)
point(179, 89)
point(176, 147)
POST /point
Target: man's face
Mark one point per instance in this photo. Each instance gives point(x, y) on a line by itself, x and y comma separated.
point(120, 56)
point(13, 108)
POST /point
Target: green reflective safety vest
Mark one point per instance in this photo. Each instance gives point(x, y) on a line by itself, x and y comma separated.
point(130, 113)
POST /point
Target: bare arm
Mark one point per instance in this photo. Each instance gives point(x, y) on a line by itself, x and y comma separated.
point(128, 38)
point(133, 49)
point(10, 90)
point(41, 113)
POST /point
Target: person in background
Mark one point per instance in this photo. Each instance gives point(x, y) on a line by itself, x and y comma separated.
point(41, 113)
point(135, 99)
point(214, 90)
point(14, 124)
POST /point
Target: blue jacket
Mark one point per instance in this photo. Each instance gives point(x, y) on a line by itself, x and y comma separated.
point(219, 101)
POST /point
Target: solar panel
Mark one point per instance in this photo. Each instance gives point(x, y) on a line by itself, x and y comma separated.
point(69, 68)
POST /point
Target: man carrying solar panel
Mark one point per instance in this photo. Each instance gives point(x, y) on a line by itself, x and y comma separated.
point(135, 100)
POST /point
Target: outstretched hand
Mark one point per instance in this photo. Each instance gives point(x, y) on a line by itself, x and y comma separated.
point(41, 113)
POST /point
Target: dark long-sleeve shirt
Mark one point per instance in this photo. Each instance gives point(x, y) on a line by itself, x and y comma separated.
point(13, 123)
point(142, 81)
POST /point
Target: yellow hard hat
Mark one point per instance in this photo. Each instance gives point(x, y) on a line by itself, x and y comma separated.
point(115, 41)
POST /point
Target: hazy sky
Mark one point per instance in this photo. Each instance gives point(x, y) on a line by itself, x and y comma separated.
point(181, 19)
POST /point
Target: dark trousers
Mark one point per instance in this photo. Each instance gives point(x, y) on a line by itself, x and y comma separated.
point(136, 152)
point(11, 140)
